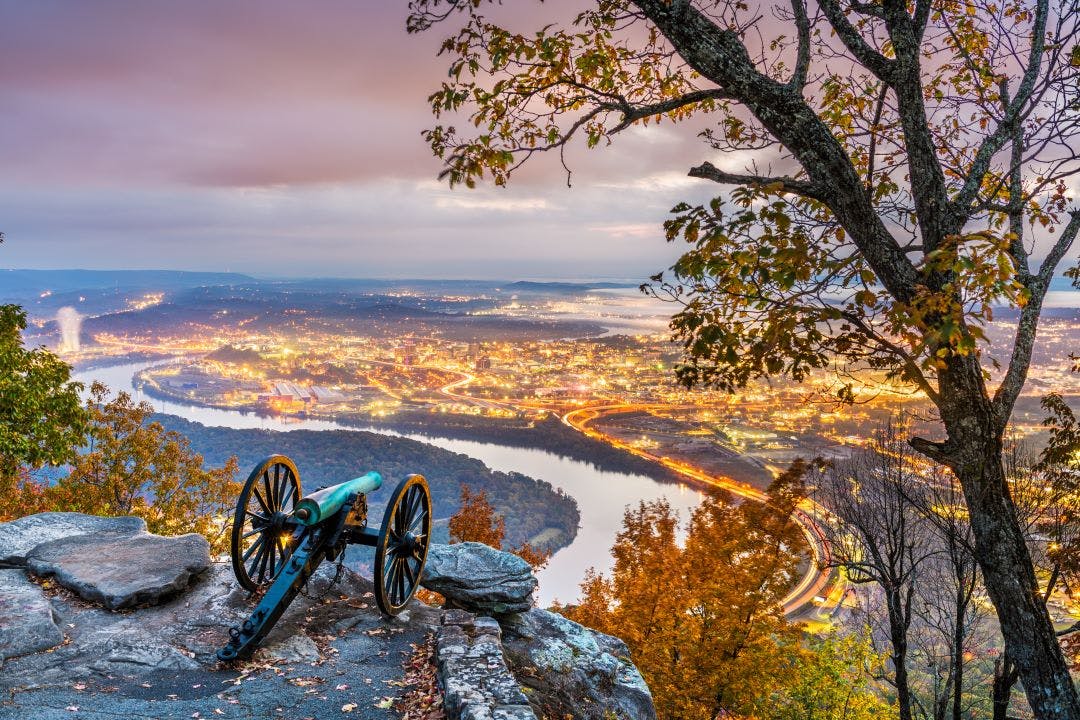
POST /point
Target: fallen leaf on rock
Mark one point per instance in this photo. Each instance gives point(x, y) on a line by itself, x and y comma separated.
point(423, 700)
point(348, 707)
point(385, 704)
point(342, 686)
point(72, 708)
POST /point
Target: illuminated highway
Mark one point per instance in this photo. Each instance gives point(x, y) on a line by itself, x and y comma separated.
point(809, 587)
point(812, 583)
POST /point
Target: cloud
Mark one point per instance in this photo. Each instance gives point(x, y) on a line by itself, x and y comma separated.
point(284, 138)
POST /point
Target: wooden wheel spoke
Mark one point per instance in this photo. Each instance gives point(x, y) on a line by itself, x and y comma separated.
point(392, 582)
point(258, 561)
point(417, 501)
point(269, 547)
point(403, 583)
point(288, 491)
point(399, 517)
point(262, 502)
point(249, 533)
point(416, 512)
point(261, 518)
point(277, 486)
point(254, 545)
point(269, 492)
point(417, 519)
point(410, 571)
point(272, 564)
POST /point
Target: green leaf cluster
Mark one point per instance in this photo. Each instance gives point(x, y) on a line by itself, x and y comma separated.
point(42, 420)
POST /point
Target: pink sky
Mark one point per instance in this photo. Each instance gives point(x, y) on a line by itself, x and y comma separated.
point(284, 138)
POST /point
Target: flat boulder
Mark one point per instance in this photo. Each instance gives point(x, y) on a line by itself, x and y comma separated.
point(478, 578)
point(121, 572)
point(19, 537)
point(27, 623)
point(572, 670)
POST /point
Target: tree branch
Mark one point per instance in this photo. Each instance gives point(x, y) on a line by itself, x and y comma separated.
point(1024, 343)
point(870, 58)
point(802, 60)
point(927, 178)
point(708, 171)
point(719, 55)
point(961, 205)
point(936, 451)
point(633, 113)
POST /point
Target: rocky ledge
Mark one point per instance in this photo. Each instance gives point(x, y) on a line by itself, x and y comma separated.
point(566, 670)
point(100, 619)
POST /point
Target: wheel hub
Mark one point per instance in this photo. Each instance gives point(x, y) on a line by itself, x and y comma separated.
point(408, 544)
point(277, 521)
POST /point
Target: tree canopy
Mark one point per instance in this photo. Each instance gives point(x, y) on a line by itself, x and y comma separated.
point(133, 466)
point(42, 421)
point(910, 172)
point(704, 622)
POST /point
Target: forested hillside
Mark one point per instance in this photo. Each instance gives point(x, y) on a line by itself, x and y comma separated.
point(326, 457)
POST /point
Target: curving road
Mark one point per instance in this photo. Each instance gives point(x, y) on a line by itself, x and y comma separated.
point(809, 586)
point(815, 579)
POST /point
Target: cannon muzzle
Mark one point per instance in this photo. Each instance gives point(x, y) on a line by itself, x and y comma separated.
point(320, 505)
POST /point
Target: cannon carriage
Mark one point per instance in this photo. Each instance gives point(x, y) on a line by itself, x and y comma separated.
point(280, 537)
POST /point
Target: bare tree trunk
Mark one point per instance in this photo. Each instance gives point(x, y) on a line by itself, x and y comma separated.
point(962, 599)
point(1009, 577)
point(1004, 679)
point(898, 630)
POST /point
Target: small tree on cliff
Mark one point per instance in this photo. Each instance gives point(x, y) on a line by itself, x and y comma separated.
point(133, 466)
point(42, 421)
point(476, 521)
point(919, 140)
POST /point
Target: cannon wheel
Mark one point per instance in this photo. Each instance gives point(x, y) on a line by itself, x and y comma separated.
point(260, 533)
point(403, 544)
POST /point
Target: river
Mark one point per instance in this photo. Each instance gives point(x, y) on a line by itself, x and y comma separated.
point(601, 496)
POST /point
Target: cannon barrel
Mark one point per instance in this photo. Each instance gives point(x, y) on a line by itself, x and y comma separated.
point(324, 503)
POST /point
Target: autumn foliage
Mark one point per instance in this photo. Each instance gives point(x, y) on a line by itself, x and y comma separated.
point(476, 521)
point(132, 466)
point(703, 618)
point(121, 463)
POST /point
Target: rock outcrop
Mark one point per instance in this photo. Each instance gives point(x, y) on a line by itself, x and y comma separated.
point(27, 623)
point(568, 669)
point(59, 650)
point(19, 537)
point(573, 670)
point(122, 571)
point(480, 579)
point(472, 671)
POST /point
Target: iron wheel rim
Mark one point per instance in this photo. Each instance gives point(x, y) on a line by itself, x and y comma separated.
point(262, 527)
point(403, 545)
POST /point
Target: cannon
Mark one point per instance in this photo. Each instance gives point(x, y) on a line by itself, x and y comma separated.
point(279, 538)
